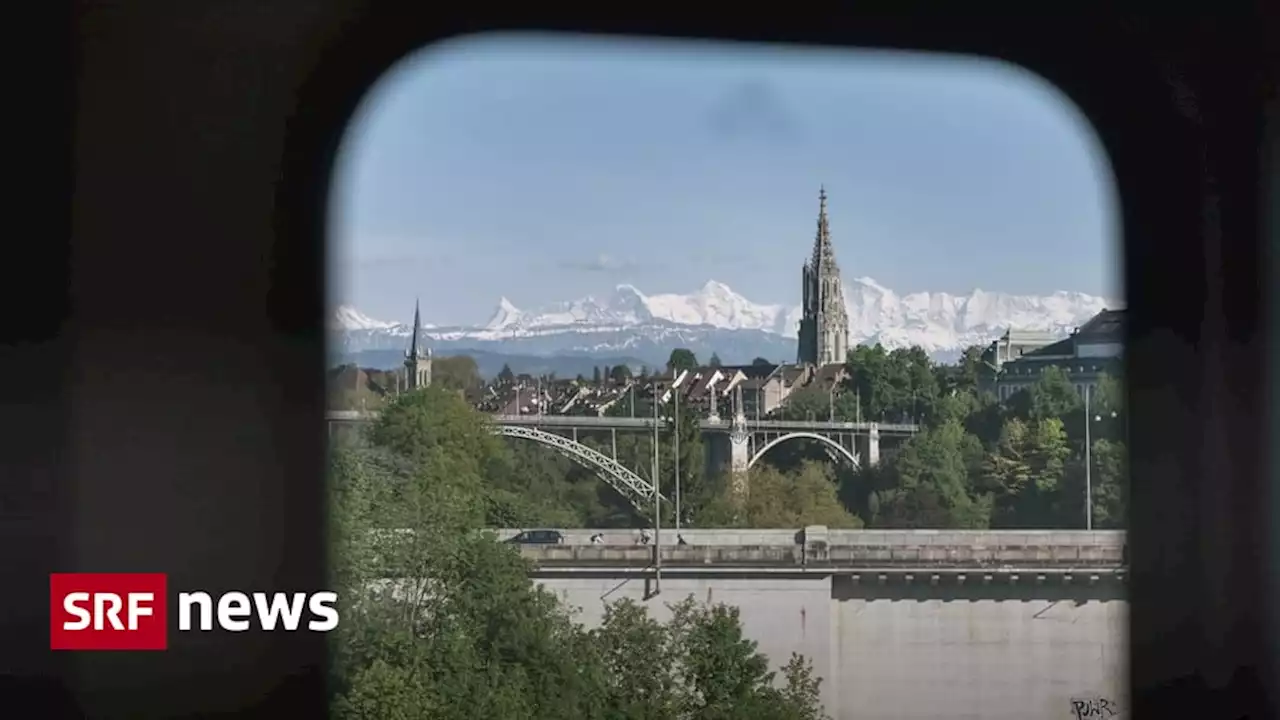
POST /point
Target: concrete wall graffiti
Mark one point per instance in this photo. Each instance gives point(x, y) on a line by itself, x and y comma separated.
point(1094, 708)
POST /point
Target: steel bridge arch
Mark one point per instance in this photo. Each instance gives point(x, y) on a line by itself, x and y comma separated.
point(631, 486)
point(851, 457)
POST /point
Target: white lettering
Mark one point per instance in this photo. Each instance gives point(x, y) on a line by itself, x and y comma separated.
point(231, 606)
point(322, 605)
point(136, 609)
point(280, 605)
point(71, 603)
point(202, 599)
point(107, 605)
point(235, 610)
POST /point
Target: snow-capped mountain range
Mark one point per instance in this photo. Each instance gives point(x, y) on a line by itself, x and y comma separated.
point(717, 319)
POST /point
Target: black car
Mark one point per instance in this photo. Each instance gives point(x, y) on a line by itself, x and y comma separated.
point(538, 537)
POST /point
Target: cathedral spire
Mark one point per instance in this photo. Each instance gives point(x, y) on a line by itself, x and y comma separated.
point(823, 253)
point(824, 327)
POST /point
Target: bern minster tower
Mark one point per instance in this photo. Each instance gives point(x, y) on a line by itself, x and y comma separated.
point(824, 327)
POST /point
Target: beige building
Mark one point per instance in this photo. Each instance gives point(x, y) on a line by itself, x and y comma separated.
point(1093, 350)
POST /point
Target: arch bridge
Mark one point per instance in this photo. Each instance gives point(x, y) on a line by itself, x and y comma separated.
point(634, 488)
point(835, 447)
point(735, 444)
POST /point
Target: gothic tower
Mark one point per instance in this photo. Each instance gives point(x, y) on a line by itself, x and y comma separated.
point(824, 326)
point(417, 361)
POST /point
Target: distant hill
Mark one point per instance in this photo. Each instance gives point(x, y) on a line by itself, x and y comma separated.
point(490, 363)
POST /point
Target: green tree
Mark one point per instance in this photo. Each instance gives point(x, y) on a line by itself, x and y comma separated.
point(761, 362)
point(963, 376)
point(715, 361)
point(1025, 472)
point(1108, 396)
point(442, 622)
point(1109, 480)
point(457, 373)
point(682, 359)
point(809, 403)
point(427, 600)
point(697, 665)
point(935, 487)
point(637, 656)
point(1110, 477)
point(440, 432)
point(694, 491)
point(775, 499)
point(891, 386)
point(1107, 408)
point(722, 676)
point(620, 373)
point(1052, 395)
point(595, 375)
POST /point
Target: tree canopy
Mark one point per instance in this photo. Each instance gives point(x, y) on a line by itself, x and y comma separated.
point(976, 463)
point(441, 621)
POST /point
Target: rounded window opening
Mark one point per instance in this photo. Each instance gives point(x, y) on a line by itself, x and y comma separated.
point(680, 322)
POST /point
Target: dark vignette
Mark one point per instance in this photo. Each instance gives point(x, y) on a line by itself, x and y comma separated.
point(175, 422)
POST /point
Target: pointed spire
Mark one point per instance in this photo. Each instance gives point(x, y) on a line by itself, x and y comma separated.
point(417, 324)
point(823, 253)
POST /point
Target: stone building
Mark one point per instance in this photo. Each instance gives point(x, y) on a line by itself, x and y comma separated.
point(1010, 346)
point(1091, 351)
point(824, 326)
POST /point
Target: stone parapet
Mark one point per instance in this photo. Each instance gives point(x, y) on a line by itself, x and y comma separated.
point(846, 557)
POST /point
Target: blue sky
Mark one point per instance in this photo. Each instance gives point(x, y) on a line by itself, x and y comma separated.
point(545, 169)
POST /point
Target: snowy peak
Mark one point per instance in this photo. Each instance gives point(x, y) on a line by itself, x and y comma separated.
point(348, 318)
point(625, 306)
point(937, 322)
point(716, 304)
point(504, 315)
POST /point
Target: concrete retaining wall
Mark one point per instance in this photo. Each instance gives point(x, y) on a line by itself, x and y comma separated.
point(892, 651)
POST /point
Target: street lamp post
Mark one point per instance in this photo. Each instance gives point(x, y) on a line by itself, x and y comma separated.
point(831, 403)
point(1088, 465)
point(657, 498)
point(1088, 460)
point(675, 400)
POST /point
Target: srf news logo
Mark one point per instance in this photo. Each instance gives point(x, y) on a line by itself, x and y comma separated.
point(130, 611)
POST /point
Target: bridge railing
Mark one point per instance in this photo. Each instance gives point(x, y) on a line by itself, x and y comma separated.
point(991, 558)
point(790, 537)
point(589, 421)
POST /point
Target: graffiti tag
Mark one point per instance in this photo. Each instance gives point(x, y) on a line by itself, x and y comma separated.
point(1095, 708)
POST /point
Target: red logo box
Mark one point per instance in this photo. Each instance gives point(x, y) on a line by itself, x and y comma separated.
point(108, 611)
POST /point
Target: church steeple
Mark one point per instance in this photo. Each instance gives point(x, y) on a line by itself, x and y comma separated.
point(417, 360)
point(417, 326)
point(824, 327)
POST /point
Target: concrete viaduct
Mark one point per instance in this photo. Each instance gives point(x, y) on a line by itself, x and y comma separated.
point(912, 624)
